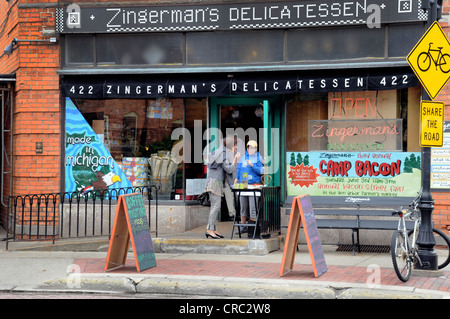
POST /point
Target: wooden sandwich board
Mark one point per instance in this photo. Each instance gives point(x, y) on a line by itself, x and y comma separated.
point(130, 223)
point(303, 213)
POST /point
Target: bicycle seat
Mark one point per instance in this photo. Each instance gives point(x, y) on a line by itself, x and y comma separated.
point(440, 48)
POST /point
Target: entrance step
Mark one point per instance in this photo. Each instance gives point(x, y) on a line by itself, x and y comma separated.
point(217, 246)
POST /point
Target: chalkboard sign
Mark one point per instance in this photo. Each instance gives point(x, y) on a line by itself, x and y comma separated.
point(130, 223)
point(302, 212)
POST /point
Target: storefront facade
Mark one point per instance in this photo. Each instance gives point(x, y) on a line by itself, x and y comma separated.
point(324, 87)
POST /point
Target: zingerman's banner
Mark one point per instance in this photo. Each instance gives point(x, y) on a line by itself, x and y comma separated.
point(353, 174)
point(147, 87)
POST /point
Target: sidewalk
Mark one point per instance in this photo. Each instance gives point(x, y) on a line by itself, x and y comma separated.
point(365, 275)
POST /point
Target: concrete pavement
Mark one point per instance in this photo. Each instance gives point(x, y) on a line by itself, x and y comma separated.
point(365, 275)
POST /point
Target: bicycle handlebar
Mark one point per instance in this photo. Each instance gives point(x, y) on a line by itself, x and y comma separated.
point(413, 207)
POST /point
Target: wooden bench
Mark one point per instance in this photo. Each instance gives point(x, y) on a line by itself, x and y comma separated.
point(356, 217)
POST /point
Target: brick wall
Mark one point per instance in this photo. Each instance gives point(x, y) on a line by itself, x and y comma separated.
point(36, 115)
point(36, 109)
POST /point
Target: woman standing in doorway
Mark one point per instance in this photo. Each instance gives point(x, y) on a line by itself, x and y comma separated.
point(219, 168)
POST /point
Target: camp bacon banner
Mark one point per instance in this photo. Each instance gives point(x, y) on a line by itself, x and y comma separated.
point(151, 86)
point(360, 174)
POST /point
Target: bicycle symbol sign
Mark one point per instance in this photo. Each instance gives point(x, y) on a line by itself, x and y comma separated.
point(442, 60)
point(430, 60)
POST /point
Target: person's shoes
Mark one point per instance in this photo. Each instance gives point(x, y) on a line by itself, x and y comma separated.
point(209, 235)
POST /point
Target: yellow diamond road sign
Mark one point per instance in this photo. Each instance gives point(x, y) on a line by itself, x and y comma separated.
point(432, 124)
point(430, 60)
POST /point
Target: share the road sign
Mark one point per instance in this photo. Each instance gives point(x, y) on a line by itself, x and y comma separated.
point(430, 60)
point(432, 124)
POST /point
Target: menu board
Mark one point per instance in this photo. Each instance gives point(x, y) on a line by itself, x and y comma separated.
point(130, 223)
point(440, 163)
point(302, 212)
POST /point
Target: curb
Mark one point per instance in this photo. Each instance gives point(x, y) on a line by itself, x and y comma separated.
point(229, 287)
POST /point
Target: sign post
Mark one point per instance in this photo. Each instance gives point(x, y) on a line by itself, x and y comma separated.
point(430, 60)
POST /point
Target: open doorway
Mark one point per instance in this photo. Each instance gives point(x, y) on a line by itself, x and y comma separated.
point(260, 116)
point(248, 118)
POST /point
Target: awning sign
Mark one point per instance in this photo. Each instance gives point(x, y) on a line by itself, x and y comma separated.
point(123, 87)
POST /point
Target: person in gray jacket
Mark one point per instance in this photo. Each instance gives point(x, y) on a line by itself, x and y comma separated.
point(218, 169)
point(231, 144)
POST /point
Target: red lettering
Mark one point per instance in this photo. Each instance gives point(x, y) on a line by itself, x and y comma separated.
point(335, 168)
point(353, 107)
point(368, 168)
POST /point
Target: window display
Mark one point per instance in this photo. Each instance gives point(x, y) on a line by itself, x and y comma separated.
point(136, 137)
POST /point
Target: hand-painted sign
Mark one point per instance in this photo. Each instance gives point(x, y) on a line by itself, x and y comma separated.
point(130, 224)
point(303, 213)
point(89, 165)
point(353, 174)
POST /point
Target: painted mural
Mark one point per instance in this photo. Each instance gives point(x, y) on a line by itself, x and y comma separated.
point(380, 174)
point(88, 164)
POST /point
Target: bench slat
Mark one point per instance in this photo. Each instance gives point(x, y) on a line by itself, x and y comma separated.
point(383, 224)
point(336, 223)
point(335, 212)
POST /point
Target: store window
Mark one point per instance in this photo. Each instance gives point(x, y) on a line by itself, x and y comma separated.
point(335, 43)
point(138, 49)
point(79, 50)
point(137, 136)
point(354, 144)
point(240, 47)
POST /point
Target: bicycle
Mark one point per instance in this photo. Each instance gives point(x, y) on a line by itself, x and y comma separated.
point(424, 60)
point(404, 251)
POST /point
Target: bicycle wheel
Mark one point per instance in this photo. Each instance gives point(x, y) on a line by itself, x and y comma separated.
point(442, 248)
point(399, 253)
point(424, 61)
point(444, 63)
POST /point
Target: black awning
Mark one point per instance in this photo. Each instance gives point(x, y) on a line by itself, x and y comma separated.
point(204, 85)
point(11, 77)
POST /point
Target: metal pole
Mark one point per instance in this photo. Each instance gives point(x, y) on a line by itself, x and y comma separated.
point(425, 239)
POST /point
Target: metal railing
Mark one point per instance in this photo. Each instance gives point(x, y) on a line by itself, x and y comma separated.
point(271, 207)
point(70, 215)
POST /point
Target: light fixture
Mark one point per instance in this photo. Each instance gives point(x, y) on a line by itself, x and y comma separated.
point(10, 48)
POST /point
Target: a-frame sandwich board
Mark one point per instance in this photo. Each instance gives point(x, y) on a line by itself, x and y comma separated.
point(130, 224)
point(303, 213)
